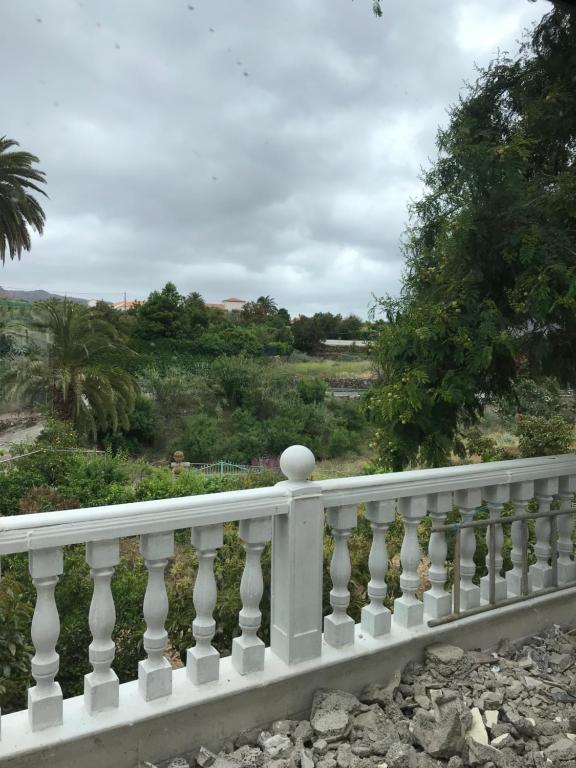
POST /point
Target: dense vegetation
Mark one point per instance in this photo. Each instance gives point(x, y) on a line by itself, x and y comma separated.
point(489, 291)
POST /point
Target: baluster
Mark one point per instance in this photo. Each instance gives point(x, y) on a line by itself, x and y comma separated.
point(437, 600)
point(248, 649)
point(338, 626)
point(541, 571)
point(468, 502)
point(45, 698)
point(376, 618)
point(155, 672)
point(408, 610)
point(495, 496)
point(101, 685)
point(521, 493)
point(203, 660)
point(566, 566)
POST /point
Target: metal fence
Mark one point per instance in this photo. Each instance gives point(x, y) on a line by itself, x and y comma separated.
point(492, 524)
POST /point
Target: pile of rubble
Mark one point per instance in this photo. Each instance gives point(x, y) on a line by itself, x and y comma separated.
point(513, 708)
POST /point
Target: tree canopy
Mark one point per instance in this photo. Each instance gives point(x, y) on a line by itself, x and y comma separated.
point(73, 372)
point(19, 209)
point(489, 290)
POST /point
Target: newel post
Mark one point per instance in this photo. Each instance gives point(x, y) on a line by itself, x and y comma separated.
point(297, 557)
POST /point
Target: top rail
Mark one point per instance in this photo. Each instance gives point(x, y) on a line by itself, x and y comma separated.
point(22, 533)
point(49, 529)
point(421, 482)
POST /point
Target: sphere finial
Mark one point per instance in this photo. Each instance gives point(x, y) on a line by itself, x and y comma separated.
point(297, 463)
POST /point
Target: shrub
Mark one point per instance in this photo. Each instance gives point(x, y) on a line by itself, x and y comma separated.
point(312, 390)
point(541, 436)
point(15, 648)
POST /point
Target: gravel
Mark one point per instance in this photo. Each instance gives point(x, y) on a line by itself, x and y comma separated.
point(459, 709)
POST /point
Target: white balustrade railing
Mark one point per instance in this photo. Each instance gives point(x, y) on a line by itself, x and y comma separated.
point(291, 516)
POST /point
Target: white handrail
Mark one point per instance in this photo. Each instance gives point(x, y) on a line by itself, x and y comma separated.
point(39, 530)
point(419, 482)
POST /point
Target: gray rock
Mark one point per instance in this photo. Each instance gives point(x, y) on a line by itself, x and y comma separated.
point(277, 746)
point(455, 762)
point(331, 699)
point(425, 761)
point(331, 725)
point(283, 727)
point(178, 762)
point(250, 757)
point(480, 754)
point(224, 761)
point(248, 738)
point(381, 694)
point(504, 740)
point(320, 747)
point(344, 756)
point(439, 739)
point(562, 751)
point(326, 762)
point(444, 654)
point(522, 724)
point(303, 731)
point(362, 749)
point(205, 758)
point(401, 756)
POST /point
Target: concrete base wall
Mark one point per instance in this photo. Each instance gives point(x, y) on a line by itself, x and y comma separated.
point(208, 715)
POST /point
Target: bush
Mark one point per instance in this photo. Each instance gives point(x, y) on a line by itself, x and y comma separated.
point(15, 648)
point(530, 398)
point(541, 436)
point(312, 390)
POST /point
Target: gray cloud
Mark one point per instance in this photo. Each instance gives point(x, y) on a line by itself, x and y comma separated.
point(274, 155)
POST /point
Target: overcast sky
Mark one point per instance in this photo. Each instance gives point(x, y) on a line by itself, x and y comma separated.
point(235, 147)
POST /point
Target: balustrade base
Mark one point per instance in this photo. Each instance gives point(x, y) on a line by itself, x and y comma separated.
point(408, 612)
point(338, 630)
point(500, 592)
point(541, 576)
point(247, 655)
point(514, 582)
point(45, 707)
point(154, 679)
point(375, 620)
point(203, 665)
point(436, 606)
point(469, 597)
point(100, 691)
point(566, 573)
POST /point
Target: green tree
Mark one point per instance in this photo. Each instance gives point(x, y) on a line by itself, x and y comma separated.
point(19, 209)
point(490, 286)
point(308, 334)
point(161, 315)
point(259, 311)
point(73, 371)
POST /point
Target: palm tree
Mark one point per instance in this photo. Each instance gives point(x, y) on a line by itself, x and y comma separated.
point(19, 209)
point(72, 368)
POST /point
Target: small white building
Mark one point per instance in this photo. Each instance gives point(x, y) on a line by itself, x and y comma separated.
point(229, 305)
point(233, 305)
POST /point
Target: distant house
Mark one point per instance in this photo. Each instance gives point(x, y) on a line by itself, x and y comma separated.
point(233, 305)
point(229, 305)
point(125, 305)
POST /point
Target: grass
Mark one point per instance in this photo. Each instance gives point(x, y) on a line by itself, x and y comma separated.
point(341, 467)
point(321, 368)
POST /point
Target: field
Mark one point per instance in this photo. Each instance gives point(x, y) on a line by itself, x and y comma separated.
point(344, 367)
